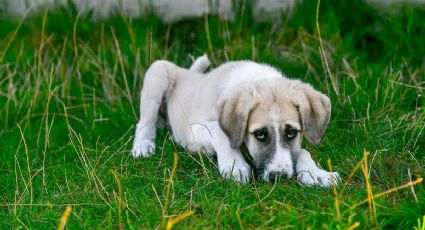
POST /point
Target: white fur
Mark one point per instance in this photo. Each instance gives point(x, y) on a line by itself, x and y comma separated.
point(309, 174)
point(202, 135)
point(200, 64)
point(248, 71)
point(144, 141)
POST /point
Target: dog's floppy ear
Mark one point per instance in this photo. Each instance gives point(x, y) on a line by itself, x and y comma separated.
point(315, 111)
point(233, 112)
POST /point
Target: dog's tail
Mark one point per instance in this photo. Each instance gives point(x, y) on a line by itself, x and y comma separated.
point(200, 64)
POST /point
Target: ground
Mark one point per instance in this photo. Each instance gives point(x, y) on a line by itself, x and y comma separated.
point(69, 94)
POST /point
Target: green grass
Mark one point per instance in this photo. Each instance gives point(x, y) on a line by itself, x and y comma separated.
point(69, 93)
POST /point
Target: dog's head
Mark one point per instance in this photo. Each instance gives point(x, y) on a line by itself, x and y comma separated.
point(271, 117)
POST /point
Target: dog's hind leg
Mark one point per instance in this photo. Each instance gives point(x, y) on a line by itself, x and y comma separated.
point(158, 81)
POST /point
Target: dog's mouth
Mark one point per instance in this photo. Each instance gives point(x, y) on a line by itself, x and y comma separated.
point(272, 177)
point(261, 172)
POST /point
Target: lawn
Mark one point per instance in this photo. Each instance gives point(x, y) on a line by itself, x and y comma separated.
point(69, 102)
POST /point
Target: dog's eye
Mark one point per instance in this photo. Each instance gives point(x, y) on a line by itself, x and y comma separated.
point(261, 135)
point(291, 133)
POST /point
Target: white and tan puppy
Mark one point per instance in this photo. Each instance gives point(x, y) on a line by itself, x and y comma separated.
point(237, 103)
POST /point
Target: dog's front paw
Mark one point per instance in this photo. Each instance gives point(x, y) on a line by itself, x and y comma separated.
point(320, 177)
point(239, 171)
point(142, 147)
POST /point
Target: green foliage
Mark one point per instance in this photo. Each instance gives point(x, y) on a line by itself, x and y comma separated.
point(69, 91)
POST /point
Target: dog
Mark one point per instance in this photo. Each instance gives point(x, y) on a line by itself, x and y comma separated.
point(240, 102)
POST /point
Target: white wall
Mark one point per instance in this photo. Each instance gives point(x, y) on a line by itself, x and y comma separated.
point(168, 10)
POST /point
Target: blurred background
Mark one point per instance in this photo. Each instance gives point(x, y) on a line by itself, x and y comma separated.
point(169, 10)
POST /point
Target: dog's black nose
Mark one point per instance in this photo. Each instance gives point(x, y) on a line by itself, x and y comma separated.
point(275, 176)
